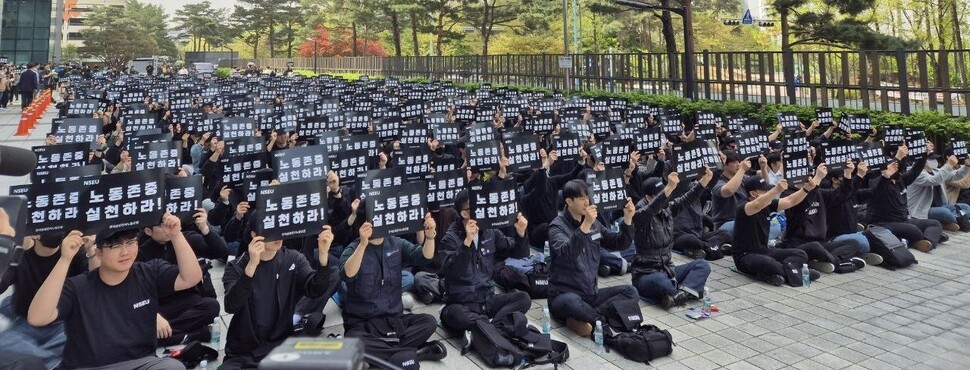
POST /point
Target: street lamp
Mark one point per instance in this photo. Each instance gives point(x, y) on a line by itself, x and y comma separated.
point(314, 53)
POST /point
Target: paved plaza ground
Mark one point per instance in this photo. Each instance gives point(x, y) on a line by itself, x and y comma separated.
point(915, 318)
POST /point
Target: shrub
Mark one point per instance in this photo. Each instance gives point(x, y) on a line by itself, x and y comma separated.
point(223, 72)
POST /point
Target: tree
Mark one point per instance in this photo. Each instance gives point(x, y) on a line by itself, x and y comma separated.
point(115, 37)
point(339, 43)
point(253, 22)
point(518, 16)
point(153, 19)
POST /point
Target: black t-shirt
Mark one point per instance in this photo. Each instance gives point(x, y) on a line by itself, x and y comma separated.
point(751, 232)
point(722, 209)
point(110, 324)
point(31, 273)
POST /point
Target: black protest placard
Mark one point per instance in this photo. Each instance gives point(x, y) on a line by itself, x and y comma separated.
point(79, 130)
point(86, 172)
point(234, 166)
point(140, 138)
point(540, 125)
point(140, 122)
point(414, 134)
point(797, 168)
point(481, 132)
point(388, 128)
point(368, 142)
point(690, 159)
point(670, 126)
point(874, 155)
point(58, 156)
point(301, 163)
point(416, 161)
point(313, 126)
point(357, 122)
point(435, 118)
point(445, 133)
point(381, 178)
point(183, 195)
point(705, 127)
point(649, 140)
point(134, 109)
point(567, 146)
point(412, 109)
point(397, 211)
point(522, 150)
point(796, 143)
point(607, 190)
point(156, 155)
point(824, 117)
point(291, 210)
point(916, 142)
point(465, 113)
point(286, 122)
point(439, 164)
point(856, 124)
point(837, 153)
point(894, 135)
point(194, 120)
point(255, 180)
point(56, 207)
point(239, 126)
point(789, 121)
point(614, 152)
point(483, 155)
point(82, 107)
point(443, 186)
point(959, 147)
point(130, 200)
point(493, 204)
point(751, 143)
point(332, 140)
point(601, 128)
point(582, 128)
point(348, 163)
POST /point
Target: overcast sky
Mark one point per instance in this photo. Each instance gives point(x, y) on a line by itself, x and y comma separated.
point(172, 5)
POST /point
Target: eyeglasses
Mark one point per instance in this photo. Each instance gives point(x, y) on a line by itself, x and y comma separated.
point(133, 243)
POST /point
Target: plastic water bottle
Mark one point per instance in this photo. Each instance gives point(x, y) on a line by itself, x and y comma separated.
point(598, 338)
point(545, 252)
point(216, 331)
point(905, 243)
point(546, 321)
point(806, 276)
point(204, 365)
point(707, 302)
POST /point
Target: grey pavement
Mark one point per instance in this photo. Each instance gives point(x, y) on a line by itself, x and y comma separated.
point(914, 318)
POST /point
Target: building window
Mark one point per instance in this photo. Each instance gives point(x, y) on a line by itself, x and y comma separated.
point(76, 21)
point(25, 29)
point(75, 36)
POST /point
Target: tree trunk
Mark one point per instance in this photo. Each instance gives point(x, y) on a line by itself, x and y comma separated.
point(396, 32)
point(256, 47)
point(961, 63)
point(439, 33)
point(353, 41)
point(670, 43)
point(272, 42)
point(414, 34)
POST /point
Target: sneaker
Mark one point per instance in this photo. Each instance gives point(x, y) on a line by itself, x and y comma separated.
point(775, 280)
point(813, 274)
point(432, 351)
point(944, 238)
point(679, 299)
point(697, 254)
point(726, 249)
point(923, 246)
point(951, 227)
point(858, 262)
point(605, 271)
point(583, 329)
point(825, 267)
point(872, 259)
point(407, 299)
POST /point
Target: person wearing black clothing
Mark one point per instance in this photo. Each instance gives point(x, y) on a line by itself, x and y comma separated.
point(267, 270)
point(468, 266)
point(727, 192)
point(542, 189)
point(109, 312)
point(28, 85)
point(752, 255)
point(575, 239)
point(842, 219)
point(40, 256)
point(186, 315)
point(887, 206)
point(373, 309)
point(654, 274)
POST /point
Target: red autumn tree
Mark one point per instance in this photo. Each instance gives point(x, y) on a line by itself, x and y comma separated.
point(329, 44)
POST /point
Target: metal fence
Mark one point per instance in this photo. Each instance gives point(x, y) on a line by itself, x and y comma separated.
point(901, 81)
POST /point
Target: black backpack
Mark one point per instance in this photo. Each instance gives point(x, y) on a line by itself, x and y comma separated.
point(498, 349)
point(538, 278)
point(625, 333)
point(894, 253)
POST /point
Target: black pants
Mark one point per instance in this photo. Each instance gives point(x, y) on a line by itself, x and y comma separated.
point(188, 313)
point(772, 263)
point(462, 316)
point(571, 305)
point(4, 98)
point(394, 339)
point(702, 242)
point(915, 230)
point(26, 97)
point(307, 305)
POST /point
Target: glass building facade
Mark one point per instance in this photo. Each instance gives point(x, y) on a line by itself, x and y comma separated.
point(25, 30)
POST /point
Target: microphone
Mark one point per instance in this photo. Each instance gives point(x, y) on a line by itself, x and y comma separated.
point(16, 161)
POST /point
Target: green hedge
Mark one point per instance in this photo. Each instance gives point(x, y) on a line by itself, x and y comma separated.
point(223, 72)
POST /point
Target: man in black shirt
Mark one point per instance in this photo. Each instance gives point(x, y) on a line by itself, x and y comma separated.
point(186, 315)
point(888, 205)
point(752, 254)
point(109, 312)
point(575, 239)
point(40, 256)
point(263, 288)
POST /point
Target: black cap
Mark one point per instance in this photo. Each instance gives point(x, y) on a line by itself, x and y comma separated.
point(652, 186)
point(731, 156)
point(753, 183)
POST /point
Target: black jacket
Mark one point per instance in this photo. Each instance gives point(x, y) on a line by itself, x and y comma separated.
point(467, 271)
point(376, 290)
point(295, 278)
point(654, 235)
point(576, 255)
point(888, 201)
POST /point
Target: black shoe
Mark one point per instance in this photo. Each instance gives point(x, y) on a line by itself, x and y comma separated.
point(813, 274)
point(944, 238)
point(726, 248)
point(697, 254)
point(774, 280)
point(858, 262)
point(432, 351)
point(678, 299)
point(426, 298)
point(605, 271)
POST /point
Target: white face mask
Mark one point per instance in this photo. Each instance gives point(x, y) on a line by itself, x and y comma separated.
point(933, 163)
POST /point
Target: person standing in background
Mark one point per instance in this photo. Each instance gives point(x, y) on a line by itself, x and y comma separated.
point(29, 83)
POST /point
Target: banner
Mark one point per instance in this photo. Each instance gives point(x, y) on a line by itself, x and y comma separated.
point(381, 178)
point(894, 135)
point(916, 142)
point(82, 108)
point(140, 122)
point(86, 172)
point(607, 190)
point(824, 117)
point(614, 152)
point(446, 133)
point(540, 125)
point(796, 143)
point(130, 200)
point(183, 195)
point(291, 210)
point(493, 204)
point(414, 134)
point(396, 211)
point(856, 124)
point(959, 148)
point(348, 163)
point(874, 156)
point(236, 127)
point(481, 132)
point(253, 181)
point(837, 153)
